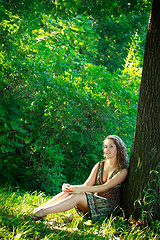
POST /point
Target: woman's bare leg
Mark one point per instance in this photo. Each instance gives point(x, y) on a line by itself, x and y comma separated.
point(52, 201)
point(65, 205)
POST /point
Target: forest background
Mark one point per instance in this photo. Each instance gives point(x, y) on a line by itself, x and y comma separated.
point(70, 75)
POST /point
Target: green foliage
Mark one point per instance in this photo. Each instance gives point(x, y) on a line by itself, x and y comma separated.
point(68, 225)
point(58, 98)
point(115, 22)
point(148, 203)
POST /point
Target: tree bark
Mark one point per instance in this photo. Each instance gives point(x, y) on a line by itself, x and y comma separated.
point(145, 155)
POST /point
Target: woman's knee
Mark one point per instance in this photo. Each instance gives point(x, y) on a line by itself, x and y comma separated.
point(82, 200)
point(79, 196)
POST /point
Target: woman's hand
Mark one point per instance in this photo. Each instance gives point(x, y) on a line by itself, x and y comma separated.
point(65, 187)
point(73, 189)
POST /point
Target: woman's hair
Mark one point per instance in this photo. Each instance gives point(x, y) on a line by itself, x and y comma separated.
point(121, 150)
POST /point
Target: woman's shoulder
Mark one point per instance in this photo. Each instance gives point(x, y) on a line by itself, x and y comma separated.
point(98, 164)
point(102, 161)
point(119, 170)
point(123, 168)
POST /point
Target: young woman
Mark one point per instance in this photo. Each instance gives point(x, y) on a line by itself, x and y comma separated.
point(98, 200)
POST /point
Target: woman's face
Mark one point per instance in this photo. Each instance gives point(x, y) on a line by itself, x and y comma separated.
point(109, 149)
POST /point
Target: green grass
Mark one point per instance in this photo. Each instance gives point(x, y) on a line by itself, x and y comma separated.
point(69, 225)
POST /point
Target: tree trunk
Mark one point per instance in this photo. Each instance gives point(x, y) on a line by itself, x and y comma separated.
point(143, 183)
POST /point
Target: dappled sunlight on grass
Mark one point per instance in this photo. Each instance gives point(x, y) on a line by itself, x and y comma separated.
point(14, 224)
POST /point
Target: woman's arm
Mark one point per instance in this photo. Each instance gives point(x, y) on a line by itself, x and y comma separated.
point(89, 182)
point(92, 177)
point(117, 179)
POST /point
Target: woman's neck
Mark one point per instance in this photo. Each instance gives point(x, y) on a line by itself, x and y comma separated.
point(112, 163)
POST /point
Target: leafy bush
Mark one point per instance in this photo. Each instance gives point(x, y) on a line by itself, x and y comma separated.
point(57, 105)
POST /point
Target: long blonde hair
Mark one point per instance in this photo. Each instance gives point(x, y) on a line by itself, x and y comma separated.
point(121, 150)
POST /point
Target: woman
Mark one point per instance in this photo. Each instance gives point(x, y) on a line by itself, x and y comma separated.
point(99, 200)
